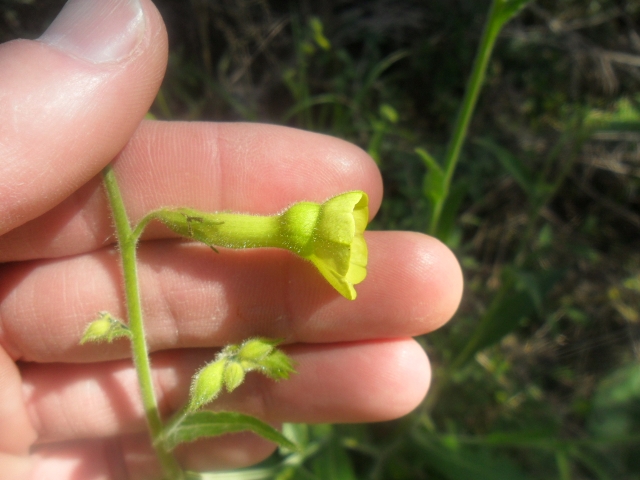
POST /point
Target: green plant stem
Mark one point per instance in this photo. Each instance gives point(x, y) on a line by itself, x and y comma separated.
point(492, 28)
point(127, 244)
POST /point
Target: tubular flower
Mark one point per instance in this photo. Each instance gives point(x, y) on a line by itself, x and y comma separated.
point(330, 234)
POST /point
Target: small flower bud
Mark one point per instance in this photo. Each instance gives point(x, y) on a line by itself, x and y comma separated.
point(233, 376)
point(277, 365)
point(105, 329)
point(256, 348)
point(206, 384)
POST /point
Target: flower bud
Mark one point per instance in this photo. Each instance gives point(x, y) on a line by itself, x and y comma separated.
point(233, 376)
point(105, 329)
point(206, 384)
point(256, 348)
point(277, 365)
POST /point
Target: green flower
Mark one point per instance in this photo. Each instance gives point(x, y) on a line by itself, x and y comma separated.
point(330, 234)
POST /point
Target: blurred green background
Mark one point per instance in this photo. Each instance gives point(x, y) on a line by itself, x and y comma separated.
point(538, 375)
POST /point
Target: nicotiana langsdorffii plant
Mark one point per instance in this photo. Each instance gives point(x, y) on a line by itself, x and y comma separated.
point(330, 235)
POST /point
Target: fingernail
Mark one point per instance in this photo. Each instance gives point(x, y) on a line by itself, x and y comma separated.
point(99, 31)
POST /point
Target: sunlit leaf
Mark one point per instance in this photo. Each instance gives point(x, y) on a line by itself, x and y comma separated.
point(212, 424)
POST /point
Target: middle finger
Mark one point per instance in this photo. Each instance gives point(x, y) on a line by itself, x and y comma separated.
point(193, 297)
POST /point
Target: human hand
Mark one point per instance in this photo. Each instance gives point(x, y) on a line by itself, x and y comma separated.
point(69, 411)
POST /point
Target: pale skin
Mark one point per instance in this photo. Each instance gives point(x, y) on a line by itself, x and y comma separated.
point(70, 411)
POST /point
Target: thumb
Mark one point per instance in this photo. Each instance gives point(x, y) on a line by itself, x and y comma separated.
point(71, 100)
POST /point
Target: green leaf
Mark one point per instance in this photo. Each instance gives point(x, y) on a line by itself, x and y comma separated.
point(318, 35)
point(616, 405)
point(435, 185)
point(457, 462)
point(447, 231)
point(333, 462)
point(378, 69)
point(389, 113)
point(564, 465)
point(321, 99)
point(624, 116)
point(265, 473)
point(511, 164)
point(212, 424)
point(507, 9)
point(520, 296)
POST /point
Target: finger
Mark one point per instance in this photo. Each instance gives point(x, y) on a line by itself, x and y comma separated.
point(193, 297)
point(350, 382)
point(253, 168)
point(133, 458)
point(15, 467)
point(70, 100)
point(86, 460)
point(17, 433)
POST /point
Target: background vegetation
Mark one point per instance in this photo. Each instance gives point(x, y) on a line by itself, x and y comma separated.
point(538, 376)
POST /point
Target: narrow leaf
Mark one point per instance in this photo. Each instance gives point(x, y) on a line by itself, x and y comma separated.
point(466, 463)
point(333, 462)
point(511, 164)
point(389, 113)
point(435, 185)
point(212, 424)
point(447, 231)
point(508, 9)
point(517, 299)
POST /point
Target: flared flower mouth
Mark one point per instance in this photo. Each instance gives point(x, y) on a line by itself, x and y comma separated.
point(330, 235)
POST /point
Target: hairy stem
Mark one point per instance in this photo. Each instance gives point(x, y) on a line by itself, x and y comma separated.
point(127, 244)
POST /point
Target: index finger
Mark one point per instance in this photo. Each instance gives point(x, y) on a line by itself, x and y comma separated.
point(251, 168)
